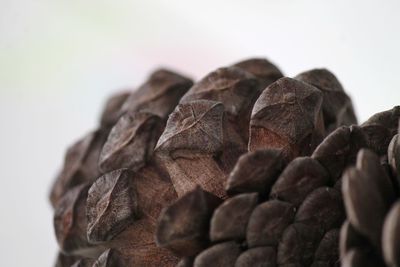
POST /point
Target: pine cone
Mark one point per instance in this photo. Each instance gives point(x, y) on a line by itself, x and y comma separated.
point(282, 204)
point(371, 189)
point(111, 188)
point(273, 218)
point(241, 168)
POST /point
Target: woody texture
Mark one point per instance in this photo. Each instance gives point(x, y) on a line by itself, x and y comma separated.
point(243, 167)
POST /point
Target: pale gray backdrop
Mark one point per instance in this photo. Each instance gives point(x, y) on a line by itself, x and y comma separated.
point(60, 59)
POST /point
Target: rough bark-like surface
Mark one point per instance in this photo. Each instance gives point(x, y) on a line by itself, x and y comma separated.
point(111, 111)
point(339, 149)
point(287, 116)
point(220, 255)
point(262, 69)
point(80, 164)
point(298, 180)
point(111, 205)
point(197, 138)
point(70, 223)
point(255, 172)
point(235, 88)
point(267, 223)
point(337, 107)
point(184, 225)
point(239, 172)
point(159, 94)
point(131, 142)
point(229, 221)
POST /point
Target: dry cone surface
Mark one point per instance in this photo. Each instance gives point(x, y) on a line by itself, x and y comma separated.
point(244, 167)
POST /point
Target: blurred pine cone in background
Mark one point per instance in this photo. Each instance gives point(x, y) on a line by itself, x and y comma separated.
point(242, 168)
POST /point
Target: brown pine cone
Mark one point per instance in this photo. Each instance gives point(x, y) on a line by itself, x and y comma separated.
point(112, 188)
point(282, 205)
point(236, 170)
point(290, 217)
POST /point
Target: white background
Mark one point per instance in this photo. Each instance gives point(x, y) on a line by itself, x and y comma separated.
point(60, 59)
